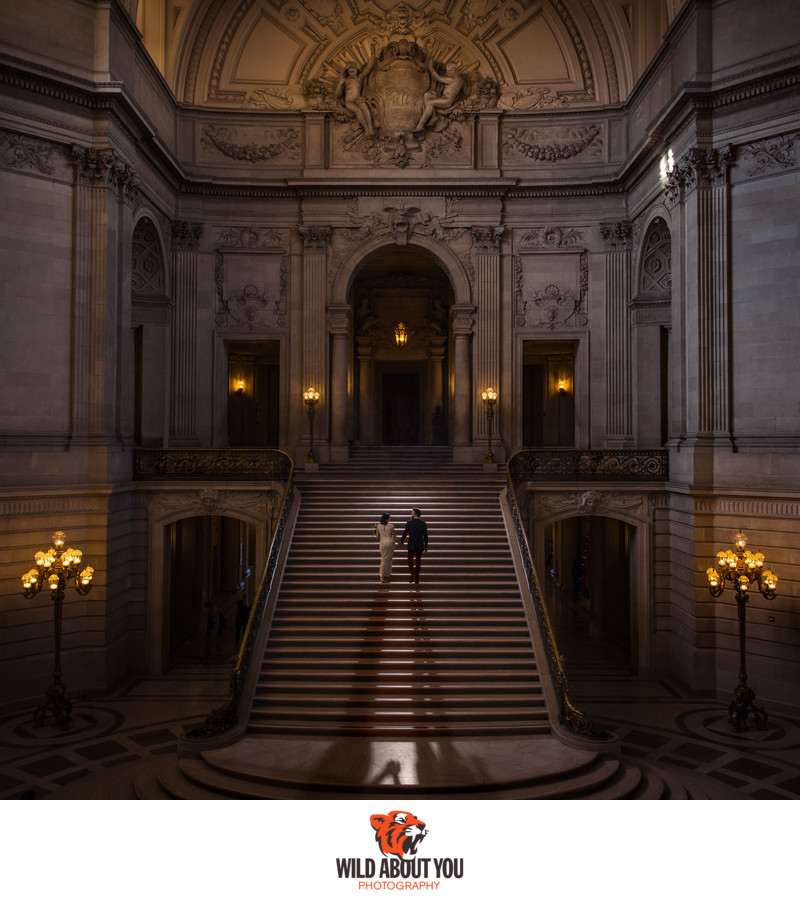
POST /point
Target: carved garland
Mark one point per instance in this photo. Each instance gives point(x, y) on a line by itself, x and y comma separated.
point(524, 143)
point(223, 139)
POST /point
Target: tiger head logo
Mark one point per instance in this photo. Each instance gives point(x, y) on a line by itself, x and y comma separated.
point(398, 832)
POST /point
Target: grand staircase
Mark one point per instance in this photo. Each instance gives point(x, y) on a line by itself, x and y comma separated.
point(348, 655)
point(397, 690)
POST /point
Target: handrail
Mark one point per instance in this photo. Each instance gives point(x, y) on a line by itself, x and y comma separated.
point(227, 716)
point(572, 717)
point(211, 464)
point(589, 464)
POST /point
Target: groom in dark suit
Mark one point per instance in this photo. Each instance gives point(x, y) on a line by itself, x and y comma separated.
point(417, 533)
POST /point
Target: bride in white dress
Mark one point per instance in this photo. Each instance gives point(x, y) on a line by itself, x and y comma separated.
point(388, 540)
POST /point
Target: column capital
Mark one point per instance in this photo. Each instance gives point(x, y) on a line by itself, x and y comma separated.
point(315, 237)
point(186, 235)
point(617, 235)
point(463, 318)
point(698, 168)
point(92, 166)
point(487, 239)
point(339, 319)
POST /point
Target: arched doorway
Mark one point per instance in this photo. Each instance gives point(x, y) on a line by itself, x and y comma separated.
point(401, 299)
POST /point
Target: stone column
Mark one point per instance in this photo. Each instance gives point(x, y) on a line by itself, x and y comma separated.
point(366, 409)
point(619, 398)
point(437, 353)
point(183, 421)
point(315, 332)
point(487, 243)
point(462, 320)
point(339, 324)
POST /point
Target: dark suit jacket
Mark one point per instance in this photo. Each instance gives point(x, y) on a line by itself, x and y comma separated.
point(417, 533)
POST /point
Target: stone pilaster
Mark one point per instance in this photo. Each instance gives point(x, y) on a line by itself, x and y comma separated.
point(487, 242)
point(700, 183)
point(104, 189)
point(183, 424)
point(316, 241)
point(619, 388)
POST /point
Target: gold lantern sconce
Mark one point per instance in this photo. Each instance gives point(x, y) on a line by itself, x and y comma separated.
point(401, 335)
point(311, 398)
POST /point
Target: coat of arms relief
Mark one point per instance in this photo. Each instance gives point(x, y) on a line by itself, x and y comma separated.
point(402, 96)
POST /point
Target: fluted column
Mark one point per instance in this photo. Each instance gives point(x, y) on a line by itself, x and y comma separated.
point(487, 243)
point(104, 188)
point(462, 322)
point(619, 386)
point(700, 182)
point(183, 423)
point(315, 331)
point(339, 324)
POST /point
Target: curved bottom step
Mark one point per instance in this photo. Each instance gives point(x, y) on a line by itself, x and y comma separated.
point(523, 768)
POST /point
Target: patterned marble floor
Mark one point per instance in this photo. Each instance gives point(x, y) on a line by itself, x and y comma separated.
point(113, 738)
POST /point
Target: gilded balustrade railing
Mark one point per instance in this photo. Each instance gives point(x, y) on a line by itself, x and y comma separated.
point(211, 464)
point(589, 464)
point(570, 716)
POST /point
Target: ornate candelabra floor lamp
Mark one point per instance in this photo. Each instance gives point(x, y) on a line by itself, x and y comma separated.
point(741, 568)
point(311, 398)
point(56, 568)
point(489, 400)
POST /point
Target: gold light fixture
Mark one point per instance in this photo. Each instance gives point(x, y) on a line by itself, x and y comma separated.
point(311, 398)
point(562, 386)
point(400, 334)
point(240, 385)
point(55, 568)
point(742, 568)
point(489, 400)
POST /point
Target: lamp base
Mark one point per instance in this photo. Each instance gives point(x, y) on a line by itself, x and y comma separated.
point(57, 704)
point(741, 706)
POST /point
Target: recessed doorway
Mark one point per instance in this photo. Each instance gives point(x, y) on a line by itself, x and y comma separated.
point(401, 408)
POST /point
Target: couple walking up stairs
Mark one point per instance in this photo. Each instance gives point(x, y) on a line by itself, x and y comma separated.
point(380, 689)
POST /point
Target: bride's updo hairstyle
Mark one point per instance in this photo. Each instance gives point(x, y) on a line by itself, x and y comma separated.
point(384, 519)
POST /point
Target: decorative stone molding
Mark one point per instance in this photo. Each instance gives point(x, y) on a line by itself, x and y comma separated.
point(53, 505)
point(556, 144)
point(552, 238)
point(646, 311)
point(487, 240)
point(186, 235)
point(594, 502)
point(270, 98)
point(280, 141)
point(617, 235)
point(189, 503)
point(22, 151)
point(252, 308)
point(123, 180)
point(655, 267)
point(779, 152)
point(551, 308)
point(147, 264)
point(530, 98)
point(251, 238)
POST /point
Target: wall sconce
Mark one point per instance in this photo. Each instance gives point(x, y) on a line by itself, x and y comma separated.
point(56, 567)
point(240, 386)
point(489, 400)
point(741, 568)
point(562, 386)
point(311, 398)
point(400, 334)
